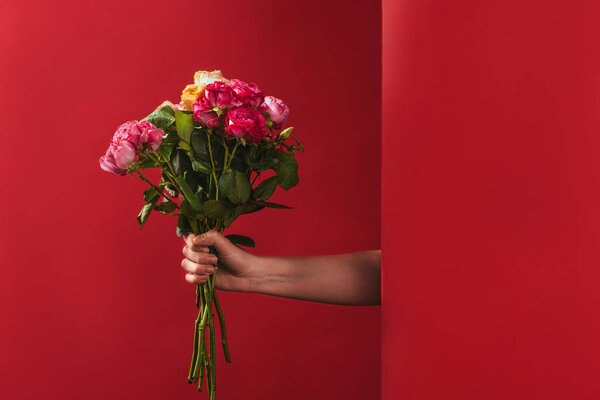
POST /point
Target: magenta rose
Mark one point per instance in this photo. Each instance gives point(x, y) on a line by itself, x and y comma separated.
point(247, 123)
point(277, 109)
point(203, 113)
point(219, 94)
point(246, 94)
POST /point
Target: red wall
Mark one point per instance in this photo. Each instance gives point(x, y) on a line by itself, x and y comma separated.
point(92, 308)
point(491, 200)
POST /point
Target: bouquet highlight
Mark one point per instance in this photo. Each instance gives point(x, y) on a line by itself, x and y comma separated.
point(221, 153)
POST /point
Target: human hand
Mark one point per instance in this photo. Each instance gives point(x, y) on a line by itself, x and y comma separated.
point(236, 266)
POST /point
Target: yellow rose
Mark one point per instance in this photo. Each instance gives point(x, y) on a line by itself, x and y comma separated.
point(189, 96)
point(203, 78)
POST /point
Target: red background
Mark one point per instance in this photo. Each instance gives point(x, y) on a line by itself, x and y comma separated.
point(93, 308)
point(491, 200)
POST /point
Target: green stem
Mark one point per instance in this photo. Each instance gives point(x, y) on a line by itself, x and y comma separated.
point(212, 163)
point(223, 328)
point(211, 328)
point(156, 188)
point(192, 374)
point(207, 309)
point(237, 143)
point(255, 178)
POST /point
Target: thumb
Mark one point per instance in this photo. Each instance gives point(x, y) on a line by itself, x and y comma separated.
point(215, 239)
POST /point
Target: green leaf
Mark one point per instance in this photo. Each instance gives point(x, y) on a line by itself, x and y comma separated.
point(144, 214)
point(150, 194)
point(241, 240)
point(251, 156)
point(162, 118)
point(199, 144)
point(187, 210)
point(265, 189)
point(249, 208)
point(146, 162)
point(184, 121)
point(183, 226)
point(172, 190)
point(188, 193)
point(184, 145)
point(298, 144)
point(165, 151)
point(271, 205)
point(235, 185)
point(266, 163)
point(217, 209)
point(286, 169)
point(166, 207)
point(284, 134)
point(201, 166)
point(180, 162)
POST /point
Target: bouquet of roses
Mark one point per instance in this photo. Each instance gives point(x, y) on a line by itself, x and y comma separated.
point(221, 153)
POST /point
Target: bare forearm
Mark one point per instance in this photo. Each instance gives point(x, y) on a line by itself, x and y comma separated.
point(349, 279)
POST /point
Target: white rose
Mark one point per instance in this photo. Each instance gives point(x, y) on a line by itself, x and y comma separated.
point(203, 78)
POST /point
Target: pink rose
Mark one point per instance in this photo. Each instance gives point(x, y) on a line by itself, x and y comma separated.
point(150, 135)
point(128, 132)
point(124, 154)
point(277, 109)
point(247, 123)
point(203, 113)
point(246, 94)
point(219, 94)
point(128, 141)
point(139, 134)
point(108, 164)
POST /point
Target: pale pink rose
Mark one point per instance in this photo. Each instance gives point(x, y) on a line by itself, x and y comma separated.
point(247, 123)
point(124, 154)
point(277, 109)
point(218, 94)
point(246, 94)
point(108, 164)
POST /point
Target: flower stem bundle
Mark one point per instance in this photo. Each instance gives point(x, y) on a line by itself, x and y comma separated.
point(221, 152)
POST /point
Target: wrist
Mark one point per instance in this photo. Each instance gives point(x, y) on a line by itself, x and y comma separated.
point(269, 275)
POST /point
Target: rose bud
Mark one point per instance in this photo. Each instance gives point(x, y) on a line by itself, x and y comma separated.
point(278, 111)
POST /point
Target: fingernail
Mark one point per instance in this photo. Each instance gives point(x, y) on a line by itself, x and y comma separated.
point(198, 239)
point(210, 270)
point(213, 260)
